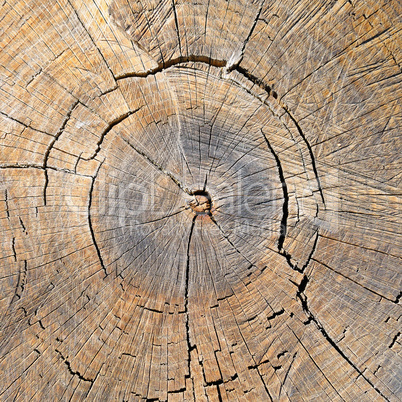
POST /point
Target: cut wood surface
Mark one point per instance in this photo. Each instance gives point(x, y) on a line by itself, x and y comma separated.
point(200, 200)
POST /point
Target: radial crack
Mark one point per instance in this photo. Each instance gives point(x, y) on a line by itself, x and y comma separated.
point(51, 145)
point(19, 289)
point(177, 24)
point(232, 66)
point(90, 223)
point(310, 150)
point(186, 298)
point(311, 318)
point(6, 202)
point(285, 207)
point(160, 168)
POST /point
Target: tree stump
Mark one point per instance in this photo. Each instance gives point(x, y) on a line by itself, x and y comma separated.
point(200, 200)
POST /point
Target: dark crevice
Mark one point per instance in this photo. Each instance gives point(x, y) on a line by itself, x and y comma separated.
point(107, 130)
point(276, 314)
point(13, 248)
point(6, 202)
point(23, 124)
point(257, 81)
point(152, 309)
point(311, 318)
point(285, 207)
point(19, 289)
point(90, 223)
point(303, 284)
point(237, 63)
point(174, 62)
point(377, 35)
point(256, 368)
point(279, 355)
point(177, 391)
point(311, 253)
point(45, 187)
point(160, 168)
point(394, 340)
point(22, 225)
point(376, 370)
point(72, 372)
point(396, 301)
point(51, 145)
point(186, 299)
point(310, 150)
point(177, 25)
point(219, 393)
point(127, 354)
point(216, 382)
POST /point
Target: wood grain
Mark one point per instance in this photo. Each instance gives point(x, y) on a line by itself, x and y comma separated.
point(200, 200)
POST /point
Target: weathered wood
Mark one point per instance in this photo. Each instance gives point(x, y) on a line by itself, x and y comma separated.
point(200, 200)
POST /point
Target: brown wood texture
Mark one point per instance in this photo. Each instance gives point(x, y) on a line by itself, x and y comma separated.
point(200, 200)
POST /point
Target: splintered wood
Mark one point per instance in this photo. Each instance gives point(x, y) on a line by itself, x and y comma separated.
point(200, 200)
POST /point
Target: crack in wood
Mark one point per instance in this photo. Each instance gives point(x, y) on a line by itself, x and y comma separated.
point(92, 40)
point(356, 282)
point(19, 289)
point(311, 318)
point(90, 223)
point(235, 64)
point(110, 126)
point(285, 206)
point(13, 249)
point(161, 169)
point(186, 299)
point(6, 202)
point(174, 62)
point(22, 225)
point(176, 24)
point(51, 145)
point(286, 374)
point(394, 340)
point(23, 124)
point(40, 167)
point(71, 371)
point(310, 150)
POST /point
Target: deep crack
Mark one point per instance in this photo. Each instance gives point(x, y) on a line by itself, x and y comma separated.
point(285, 207)
point(186, 297)
point(72, 372)
point(90, 223)
point(51, 145)
point(311, 318)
